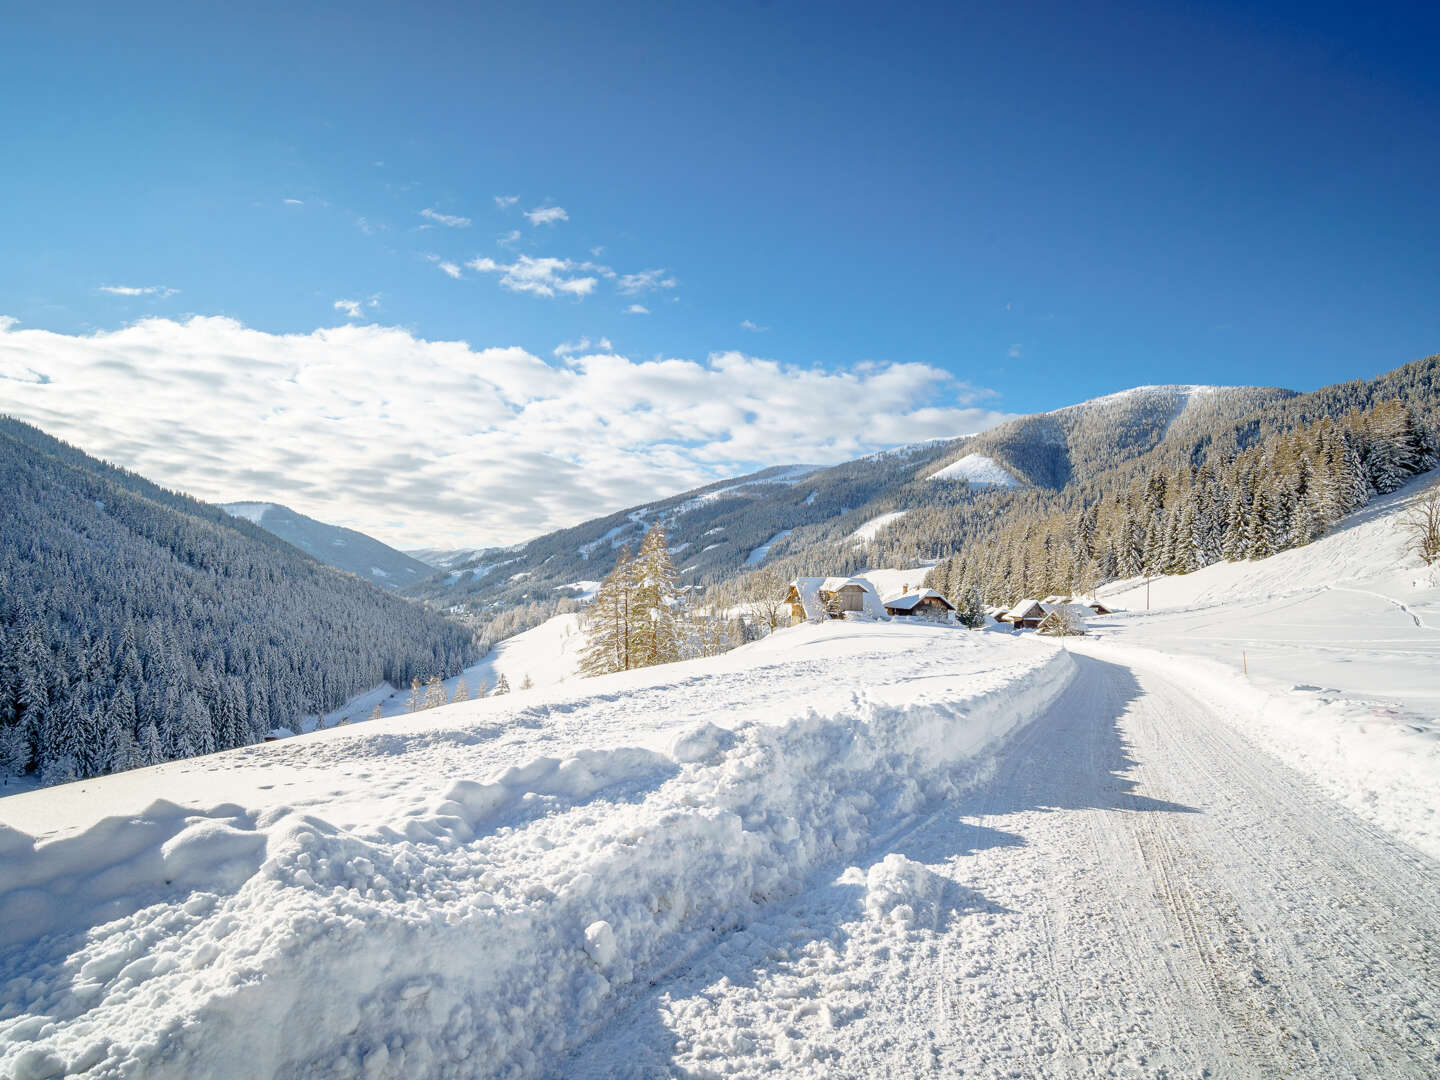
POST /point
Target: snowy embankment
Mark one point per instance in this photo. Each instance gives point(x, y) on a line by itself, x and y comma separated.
point(1327, 656)
point(474, 889)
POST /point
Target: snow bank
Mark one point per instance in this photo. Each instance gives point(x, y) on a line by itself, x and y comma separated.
point(1379, 762)
point(473, 924)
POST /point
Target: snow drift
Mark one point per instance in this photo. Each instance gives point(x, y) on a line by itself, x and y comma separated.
point(470, 891)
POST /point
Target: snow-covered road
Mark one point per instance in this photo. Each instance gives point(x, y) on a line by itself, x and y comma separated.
point(1137, 892)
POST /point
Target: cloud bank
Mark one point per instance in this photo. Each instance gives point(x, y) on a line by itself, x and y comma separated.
point(443, 443)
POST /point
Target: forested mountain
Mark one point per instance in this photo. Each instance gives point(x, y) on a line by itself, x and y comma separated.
point(344, 549)
point(929, 501)
point(807, 515)
point(139, 625)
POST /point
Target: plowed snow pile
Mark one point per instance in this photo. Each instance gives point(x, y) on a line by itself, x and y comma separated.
point(470, 890)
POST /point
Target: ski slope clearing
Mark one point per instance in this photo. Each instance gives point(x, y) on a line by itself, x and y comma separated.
point(867, 532)
point(1328, 656)
point(978, 470)
point(476, 890)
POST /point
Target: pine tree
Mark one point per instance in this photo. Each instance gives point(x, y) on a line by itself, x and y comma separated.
point(434, 693)
point(972, 608)
point(657, 636)
point(502, 686)
point(413, 703)
point(609, 621)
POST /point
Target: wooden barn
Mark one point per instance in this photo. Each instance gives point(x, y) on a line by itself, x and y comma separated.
point(814, 599)
point(925, 604)
point(1097, 608)
point(1025, 615)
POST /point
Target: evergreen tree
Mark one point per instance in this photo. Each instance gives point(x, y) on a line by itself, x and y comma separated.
point(972, 608)
point(502, 685)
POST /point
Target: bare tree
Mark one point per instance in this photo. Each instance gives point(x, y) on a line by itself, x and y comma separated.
point(764, 595)
point(1422, 523)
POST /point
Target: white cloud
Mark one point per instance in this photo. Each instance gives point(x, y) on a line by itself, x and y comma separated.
point(473, 446)
point(645, 281)
point(570, 348)
point(637, 309)
point(445, 266)
point(1014, 352)
point(366, 227)
point(450, 220)
point(746, 324)
point(546, 215)
point(293, 202)
point(544, 276)
point(162, 291)
point(504, 202)
point(355, 309)
point(510, 238)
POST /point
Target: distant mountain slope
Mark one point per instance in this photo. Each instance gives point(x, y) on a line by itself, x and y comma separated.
point(793, 513)
point(442, 558)
point(344, 549)
point(1081, 441)
point(806, 520)
point(138, 625)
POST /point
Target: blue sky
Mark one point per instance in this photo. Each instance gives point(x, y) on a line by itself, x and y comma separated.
point(1047, 202)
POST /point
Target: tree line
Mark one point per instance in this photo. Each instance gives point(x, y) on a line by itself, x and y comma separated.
point(1236, 504)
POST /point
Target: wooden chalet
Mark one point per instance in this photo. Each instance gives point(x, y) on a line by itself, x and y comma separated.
point(925, 604)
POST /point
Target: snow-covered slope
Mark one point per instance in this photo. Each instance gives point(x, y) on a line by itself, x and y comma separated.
point(976, 469)
point(1328, 655)
point(548, 654)
point(473, 889)
point(344, 549)
point(870, 529)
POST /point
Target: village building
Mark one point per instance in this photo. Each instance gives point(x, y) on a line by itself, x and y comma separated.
point(925, 604)
point(1025, 615)
point(816, 598)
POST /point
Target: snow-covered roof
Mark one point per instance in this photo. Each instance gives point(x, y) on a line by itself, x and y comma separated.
point(912, 600)
point(1022, 608)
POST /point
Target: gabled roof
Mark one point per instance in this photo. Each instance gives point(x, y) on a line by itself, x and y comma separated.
point(910, 601)
point(1023, 609)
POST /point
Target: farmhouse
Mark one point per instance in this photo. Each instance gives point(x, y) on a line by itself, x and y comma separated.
point(816, 598)
point(1025, 615)
point(927, 604)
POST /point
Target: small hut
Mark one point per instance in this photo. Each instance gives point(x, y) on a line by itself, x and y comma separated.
point(925, 604)
point(1097, 608)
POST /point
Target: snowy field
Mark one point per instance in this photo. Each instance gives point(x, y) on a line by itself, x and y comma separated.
point(477, 889)
point(1327, 656)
